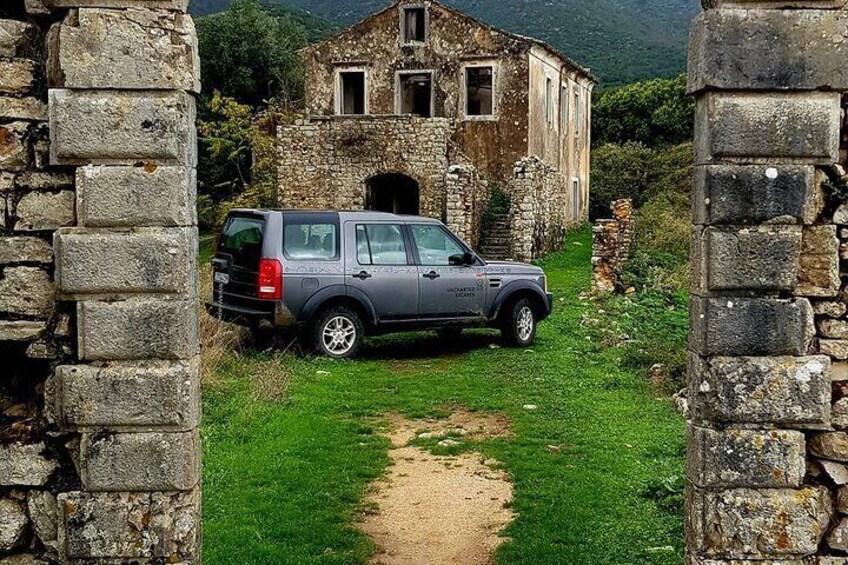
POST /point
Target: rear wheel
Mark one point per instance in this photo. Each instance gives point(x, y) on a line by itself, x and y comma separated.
point(518, 326)
point(338, 333)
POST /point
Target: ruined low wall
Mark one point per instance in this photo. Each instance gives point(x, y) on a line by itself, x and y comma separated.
point(543, 208)
point(324, 163)
point(612, 243)
point(99, 389)
point(768, 435)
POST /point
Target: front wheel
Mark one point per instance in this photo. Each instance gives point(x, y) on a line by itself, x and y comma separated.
point(338, 333)
point(519, 324)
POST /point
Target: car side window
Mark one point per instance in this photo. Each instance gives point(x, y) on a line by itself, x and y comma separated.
point(435, 245)
point(380, 244)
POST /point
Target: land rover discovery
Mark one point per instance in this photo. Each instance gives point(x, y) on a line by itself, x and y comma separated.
point(335, 277)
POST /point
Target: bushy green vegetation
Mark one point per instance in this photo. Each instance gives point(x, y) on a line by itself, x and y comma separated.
point(622, 41)
point(656, 113)
point(291, 444)
point(253, 80)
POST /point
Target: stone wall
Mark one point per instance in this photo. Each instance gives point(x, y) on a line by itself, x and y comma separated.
point(99, 398)
point(768, 433)
point(542, 209)
point(326, 163)
point(612, 243)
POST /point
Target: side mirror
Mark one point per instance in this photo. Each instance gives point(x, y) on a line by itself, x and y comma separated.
point(457, 260)
point(469, 258)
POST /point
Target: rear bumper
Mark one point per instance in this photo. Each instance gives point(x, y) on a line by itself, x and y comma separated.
point(238, 314)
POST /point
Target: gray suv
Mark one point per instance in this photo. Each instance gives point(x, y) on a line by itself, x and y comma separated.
point(336, 277)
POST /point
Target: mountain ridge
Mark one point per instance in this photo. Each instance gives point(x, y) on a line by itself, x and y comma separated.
point(622, 41)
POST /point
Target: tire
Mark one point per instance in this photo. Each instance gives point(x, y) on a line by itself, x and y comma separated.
point(334, 324)
point(449, 334)
point(514, 326)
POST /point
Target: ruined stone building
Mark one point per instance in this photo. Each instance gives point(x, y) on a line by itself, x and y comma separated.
point(420, 109)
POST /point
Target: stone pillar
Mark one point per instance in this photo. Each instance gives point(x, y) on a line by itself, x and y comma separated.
point(122, 77)
point(765, 469)
point(612, 243)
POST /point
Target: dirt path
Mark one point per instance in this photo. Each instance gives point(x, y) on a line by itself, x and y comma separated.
point(440, 510)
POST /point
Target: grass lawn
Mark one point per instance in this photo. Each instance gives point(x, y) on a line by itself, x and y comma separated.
point(290, 443)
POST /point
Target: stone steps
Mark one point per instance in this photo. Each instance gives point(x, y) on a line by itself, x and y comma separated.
point(497, 238)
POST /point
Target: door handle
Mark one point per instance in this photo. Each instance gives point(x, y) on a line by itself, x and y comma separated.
point(432, 275)
point(363, 275)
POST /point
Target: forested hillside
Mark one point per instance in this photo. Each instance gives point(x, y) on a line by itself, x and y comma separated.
point(621, 40)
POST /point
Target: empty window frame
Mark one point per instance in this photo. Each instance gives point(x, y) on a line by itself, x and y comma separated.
point(480, 91)
point(415, 93)
point(578, 116)
point(413, 23)
point(565, 96)
point(351, 93)
point(549, 102)
point(576, 198)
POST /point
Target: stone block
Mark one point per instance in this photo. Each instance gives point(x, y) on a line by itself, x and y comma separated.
point(757, 524)
point(137, 330)
point(26, 291)
point(767, 127)
point(25, 465)
point(750, 326)
point(44, 516)
point(179, 5)
point(146, 396)
point(18, 76)
point(31, 109)
point(836, 348)
point(830, 445)
point(102, 49)
point(834, 329)
point(756, 194)
point(768, 50)
point(122, 127)
point(45, 211)
point(18, 39)
point(830, 308)
point(25, 250)
point(13, 524)
point(757, 258)
point(837, 539)
point(121, 263)
point(789, 392)
point(140, 462)
point(745, 458)
point(128, 526)
point(46, 181)
point(818, 272)
point(14, 152)
point(20, 330)
point(136, 196)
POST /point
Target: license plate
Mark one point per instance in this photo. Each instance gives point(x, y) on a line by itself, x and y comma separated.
point(222, 278)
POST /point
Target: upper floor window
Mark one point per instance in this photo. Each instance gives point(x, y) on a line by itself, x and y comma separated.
point(414, 24)
point(579, 115)
point(549, 102)
point(351, 93)
point(564, 110)
point(480, 91)
point(415, 93)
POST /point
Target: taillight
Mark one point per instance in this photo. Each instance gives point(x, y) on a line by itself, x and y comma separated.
point(270, 283)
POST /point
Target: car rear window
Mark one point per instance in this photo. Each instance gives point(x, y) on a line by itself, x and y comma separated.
point(311, 241)
point(241, 238)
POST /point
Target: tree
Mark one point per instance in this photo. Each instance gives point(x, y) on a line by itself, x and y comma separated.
point(656, 113)
point(251, 56)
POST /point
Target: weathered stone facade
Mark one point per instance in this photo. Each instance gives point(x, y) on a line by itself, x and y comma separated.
point(99, 394)
point(539, 106)
point(612, 243)
point(767, 447)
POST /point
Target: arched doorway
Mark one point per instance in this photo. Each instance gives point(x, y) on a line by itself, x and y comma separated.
point(395, 193)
